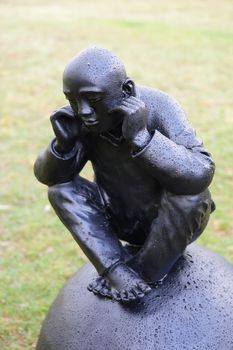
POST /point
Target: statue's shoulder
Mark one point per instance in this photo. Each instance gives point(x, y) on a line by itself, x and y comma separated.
point(165, 112)
point(156, 98)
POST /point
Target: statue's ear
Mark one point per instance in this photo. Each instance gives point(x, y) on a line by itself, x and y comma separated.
point(128, 88)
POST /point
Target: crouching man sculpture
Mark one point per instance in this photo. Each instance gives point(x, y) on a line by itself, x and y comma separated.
point(151, 175)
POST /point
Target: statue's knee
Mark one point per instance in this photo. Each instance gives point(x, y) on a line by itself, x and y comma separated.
point(52, 193)
point(79, 190)
point(57, 193)
point(191, 212)
point(198, 204)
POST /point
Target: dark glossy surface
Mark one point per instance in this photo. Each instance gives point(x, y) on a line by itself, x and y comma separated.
point(191, 310)
point(151, 174)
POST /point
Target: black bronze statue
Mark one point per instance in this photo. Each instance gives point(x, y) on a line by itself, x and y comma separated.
point(151, 175)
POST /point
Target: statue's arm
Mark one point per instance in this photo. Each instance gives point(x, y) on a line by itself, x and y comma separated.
point(66, 155)
point(52, 168)
point(174, 155)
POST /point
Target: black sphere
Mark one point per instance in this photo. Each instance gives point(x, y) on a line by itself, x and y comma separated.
point(191, 310)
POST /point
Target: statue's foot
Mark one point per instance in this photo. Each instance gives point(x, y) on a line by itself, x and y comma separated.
point(126, 285)
point(99, 286)
point(121, 283)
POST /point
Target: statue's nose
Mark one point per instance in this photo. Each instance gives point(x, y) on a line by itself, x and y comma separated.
point(84, 110)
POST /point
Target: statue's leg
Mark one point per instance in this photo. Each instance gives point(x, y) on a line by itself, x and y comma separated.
point(181, 219)
point(78, 205)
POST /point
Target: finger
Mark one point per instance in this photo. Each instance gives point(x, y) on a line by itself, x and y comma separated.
point(64, 123)
point(135, 107)
point(59, 130)
point(65, 111)
point(131, 106)
point(124, 109)
point(57, 127)
point(134, 102)
point(135, 99)
point(118, 109)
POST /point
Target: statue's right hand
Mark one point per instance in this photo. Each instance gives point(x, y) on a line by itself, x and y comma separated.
point(66, 128)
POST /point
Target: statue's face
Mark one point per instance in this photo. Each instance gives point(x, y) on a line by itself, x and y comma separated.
point(92, 98)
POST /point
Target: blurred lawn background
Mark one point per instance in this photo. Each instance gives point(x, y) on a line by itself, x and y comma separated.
point(182, 47)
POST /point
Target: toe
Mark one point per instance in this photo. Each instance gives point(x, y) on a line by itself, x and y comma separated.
point(95, 283)
point(102, 282)
point(148, 289)
point(105, 292)
point(97, 289)
point(92, 286)
point(138, 292)
point(124, 295)
point(131, 295)
point(144, 287)
point(115, 294)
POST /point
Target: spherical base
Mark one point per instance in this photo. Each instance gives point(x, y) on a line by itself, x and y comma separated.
point(192, 309)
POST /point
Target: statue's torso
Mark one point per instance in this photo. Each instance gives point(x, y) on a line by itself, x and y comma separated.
point(131, 195)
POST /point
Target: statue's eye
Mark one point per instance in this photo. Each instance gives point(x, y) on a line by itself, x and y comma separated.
point(94, 99)
point(72, 101)
point(68, 97)
point(73, 105)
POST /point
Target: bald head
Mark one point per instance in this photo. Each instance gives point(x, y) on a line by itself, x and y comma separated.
point(95, 66)
point(95, 83)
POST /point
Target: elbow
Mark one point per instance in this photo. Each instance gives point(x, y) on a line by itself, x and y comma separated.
point(199, 179)
point(194, 181)
point(202, 182)
point(40, 173)
point(205, 173)
point(205, 169)
point(43, 168)
point(201, 174)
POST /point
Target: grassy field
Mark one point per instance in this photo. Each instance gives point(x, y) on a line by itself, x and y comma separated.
point(183, 47)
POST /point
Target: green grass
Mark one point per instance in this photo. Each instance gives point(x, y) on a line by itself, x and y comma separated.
point(183, 47)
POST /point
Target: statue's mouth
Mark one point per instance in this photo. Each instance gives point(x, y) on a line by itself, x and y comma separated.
point(91, 122)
